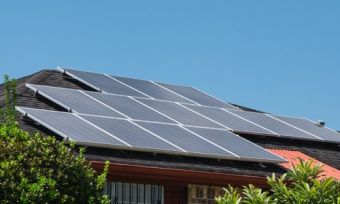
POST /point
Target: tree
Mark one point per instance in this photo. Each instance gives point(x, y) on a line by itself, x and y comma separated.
point(40, 169)
point(301, 185)
point(8, 111)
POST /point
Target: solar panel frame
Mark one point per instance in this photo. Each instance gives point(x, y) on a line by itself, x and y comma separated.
point(113, 125)
point(22, 110)
point(29, 113)
point(87, 105)
point(239, 146)
point(94, 144)
point(153, 90)
point(69, 73)
point(280, 128)
point(230, 121)
point(155, 128)
point(198, 96)
point(175, 111)
point(335, 138)
point(119, 88)
point(130, 107)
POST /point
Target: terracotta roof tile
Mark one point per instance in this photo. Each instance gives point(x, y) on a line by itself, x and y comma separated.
point(294, 157)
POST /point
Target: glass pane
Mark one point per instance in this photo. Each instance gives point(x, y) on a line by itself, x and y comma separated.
point(125, 193)
point(199, 194)
point(154, 194)
point(147, 194)
point(140, 193)
point(119, 192)
point(133, 193)
point(160, 195)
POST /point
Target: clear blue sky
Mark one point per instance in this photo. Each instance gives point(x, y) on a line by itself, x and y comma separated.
point(278, 56)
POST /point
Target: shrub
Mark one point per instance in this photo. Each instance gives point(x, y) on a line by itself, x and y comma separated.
point(301, 185)
point(40, 169)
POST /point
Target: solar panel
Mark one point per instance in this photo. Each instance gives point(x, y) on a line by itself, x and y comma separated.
point(272, 124)
point(235, 144)
point(186, 140)
point(152, 90)
point(311, 127)
point(75, 100)
point(70, 126)
point(101, 82)
point(197, 96)
point(187, 95)
point(230, 121)
point(142, 136)
point(132, 134)
point(145, 89)
point(130, 107)
point(179, 113)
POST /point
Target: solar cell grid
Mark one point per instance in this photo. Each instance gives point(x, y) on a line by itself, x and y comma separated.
point(102, 82)
point(75, 100)
point(130, 107)
point(235, 144)
point(318, 131)
point(152, 90)
point(274, 125)
point(179, 113)
point(69, 126)
point(185, 139)
point(132, 134)
point(230, 121)
point(145, 89)
point(197, 96)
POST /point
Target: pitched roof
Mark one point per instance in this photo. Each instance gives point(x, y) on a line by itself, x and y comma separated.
point(328, 154)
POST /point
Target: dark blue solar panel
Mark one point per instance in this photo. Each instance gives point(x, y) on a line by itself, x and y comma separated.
point(236, 144)
point(102, 82)
point(198, 96)
point(312, 127)
point(185, 139)
point(132, 134)
point(75, 100)
point(129, 107)
point(229, 120)
point(152, 90)
point(270, 123)
point(179, 113)
point(68, 125)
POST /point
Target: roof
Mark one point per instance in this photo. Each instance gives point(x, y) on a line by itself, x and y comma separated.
point(294, 158)
point(327, 153)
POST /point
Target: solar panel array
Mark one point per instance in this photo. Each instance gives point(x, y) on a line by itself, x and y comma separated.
point(126, 118)
point(146, 89)
point(127, 134)
point(156, 117)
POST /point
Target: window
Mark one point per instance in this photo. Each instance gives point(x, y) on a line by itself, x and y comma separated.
point(198, 194)
point(133, 193)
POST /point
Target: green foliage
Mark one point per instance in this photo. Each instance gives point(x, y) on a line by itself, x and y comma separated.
point(299, 186)
point(251, 194)
point(231, 196)
point(40, 169)
point(8, 112)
